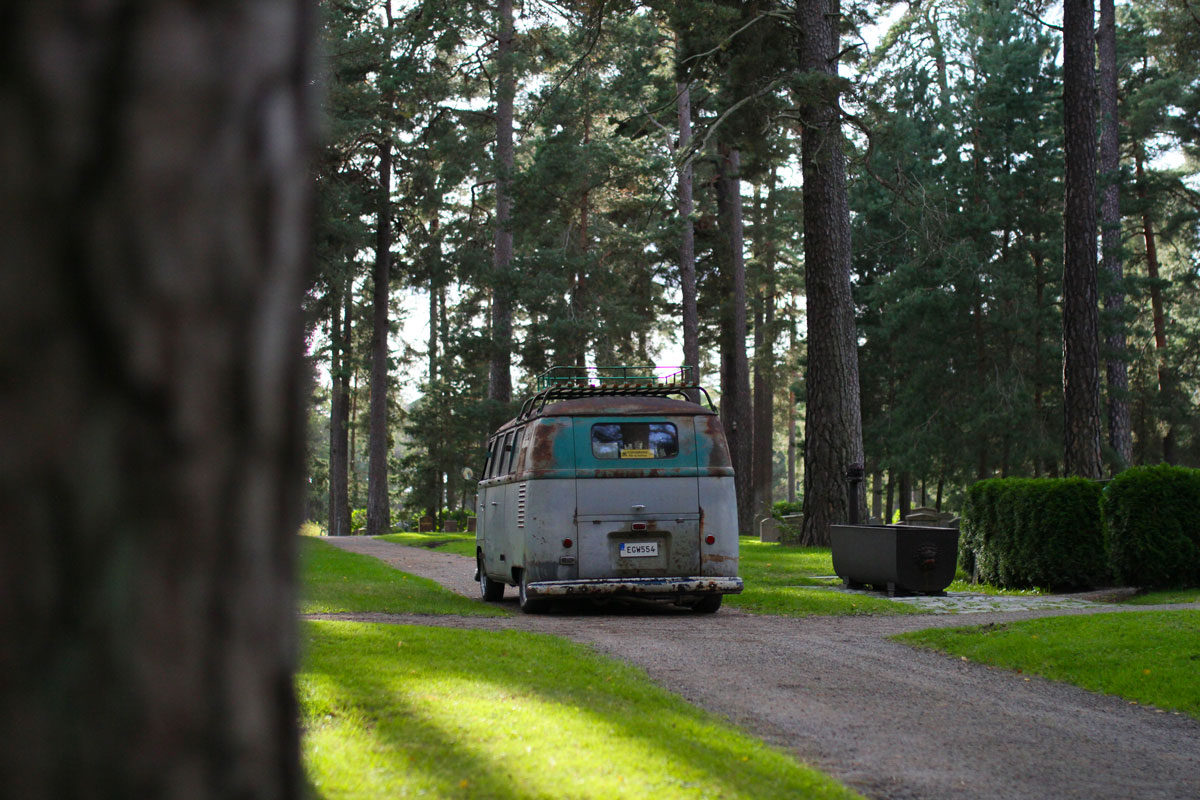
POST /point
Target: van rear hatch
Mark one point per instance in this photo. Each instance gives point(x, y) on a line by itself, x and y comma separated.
point(637, 497)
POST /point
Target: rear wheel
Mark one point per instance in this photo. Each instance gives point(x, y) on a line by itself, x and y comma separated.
point(489, 589)
point(708, 604)
point(529, 604)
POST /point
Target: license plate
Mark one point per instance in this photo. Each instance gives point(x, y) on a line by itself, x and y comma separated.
point(638, 549)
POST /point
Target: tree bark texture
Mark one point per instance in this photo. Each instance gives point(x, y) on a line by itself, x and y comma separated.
point(378, 508)
point(155, 193)
point(791, 454)
point(764, 363)
point(833, 422)
point(735, 387)
point(1081, 342)
point(1157, 311)
point(687, 237)
point(1120, 429)
point(339, 410)
point(500, 377)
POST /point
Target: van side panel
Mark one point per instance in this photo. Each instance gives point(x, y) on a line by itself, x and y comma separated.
point(719, 502)
point(548, 521)
point(543, 510)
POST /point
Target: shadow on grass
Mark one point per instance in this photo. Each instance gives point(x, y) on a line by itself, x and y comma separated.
point(594, 715)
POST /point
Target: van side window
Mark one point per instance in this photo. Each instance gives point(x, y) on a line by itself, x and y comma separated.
point(635, 440)
point(516, 446)
point(494, 453)
point(505, 455)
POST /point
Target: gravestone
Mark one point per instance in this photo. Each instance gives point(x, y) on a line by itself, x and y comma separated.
point(924, 516)
point(450, 526)
point(470, 524)
point(792, 525)
point(425, 525)
point(768, 530)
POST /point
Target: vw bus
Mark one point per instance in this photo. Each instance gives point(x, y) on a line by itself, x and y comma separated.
point(610, 483)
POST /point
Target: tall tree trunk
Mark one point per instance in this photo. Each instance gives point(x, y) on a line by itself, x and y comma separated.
point(1039, 280)
point(1120, 434)
point(764, 361)
point(877, 494)
point(355, 479)
point(687, 240)
point(339, 407)
point(435, 281)
point(499, 376)
point(1081, 342)
point(378, 507)
point(156, 202)
point(1156, 306)
point(833, 423)
point(982, 469)
point(905, 495)
point(580, 313)
point(891, 496)
point(436, 449)
point(791, 454)
point(735, 388)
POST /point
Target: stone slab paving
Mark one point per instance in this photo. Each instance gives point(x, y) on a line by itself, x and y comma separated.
point(980, 603)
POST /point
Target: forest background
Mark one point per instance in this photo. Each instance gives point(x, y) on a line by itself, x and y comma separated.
point(554, 182)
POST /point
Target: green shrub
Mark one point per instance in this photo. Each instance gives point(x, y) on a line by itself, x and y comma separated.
point(783, 508)
point(459, 515)
point(358, 521)
point(1152, 523)
point(1034, 532)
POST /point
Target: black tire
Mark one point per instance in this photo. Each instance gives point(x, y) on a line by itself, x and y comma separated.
point(528, 604)
point(490, 590)
point(708, 604)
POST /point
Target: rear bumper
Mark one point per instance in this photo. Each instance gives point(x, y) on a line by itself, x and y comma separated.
point(645, 587)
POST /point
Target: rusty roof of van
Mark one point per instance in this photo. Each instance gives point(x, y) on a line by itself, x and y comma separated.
point(613, 406)
point(623, 407)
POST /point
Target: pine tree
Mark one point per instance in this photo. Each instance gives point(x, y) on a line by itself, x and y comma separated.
point(1081, 358)
point(833, 425)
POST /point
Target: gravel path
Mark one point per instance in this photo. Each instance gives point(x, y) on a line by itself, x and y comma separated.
point(889, 721)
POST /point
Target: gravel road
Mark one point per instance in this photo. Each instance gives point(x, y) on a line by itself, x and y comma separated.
point(887, 720)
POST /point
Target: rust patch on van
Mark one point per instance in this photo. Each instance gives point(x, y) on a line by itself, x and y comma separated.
point(715, 558)
point(712, 430)
point(543, 444)
point(634, 473)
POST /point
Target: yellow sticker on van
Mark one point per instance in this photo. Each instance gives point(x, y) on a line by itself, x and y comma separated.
point(631, 453)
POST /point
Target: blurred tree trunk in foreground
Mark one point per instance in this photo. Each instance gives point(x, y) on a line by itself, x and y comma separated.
point(155, 193)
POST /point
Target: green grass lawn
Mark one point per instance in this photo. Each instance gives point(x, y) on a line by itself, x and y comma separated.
point(1164, 597)
point(389, 711)
point(461, 544)
point(1151, 657)
point(334, 581)
point(781, 579)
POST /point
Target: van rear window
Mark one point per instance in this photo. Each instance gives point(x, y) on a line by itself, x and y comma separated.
point(635, 440)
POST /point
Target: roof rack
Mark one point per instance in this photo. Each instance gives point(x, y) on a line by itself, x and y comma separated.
point(610, 376)
point(572, 383)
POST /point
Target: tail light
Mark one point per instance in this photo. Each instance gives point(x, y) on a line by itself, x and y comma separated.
point(567, 543)
point(710, 539)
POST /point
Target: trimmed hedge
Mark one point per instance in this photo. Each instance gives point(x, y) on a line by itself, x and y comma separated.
point(1021, 532)
point(1152, 524)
